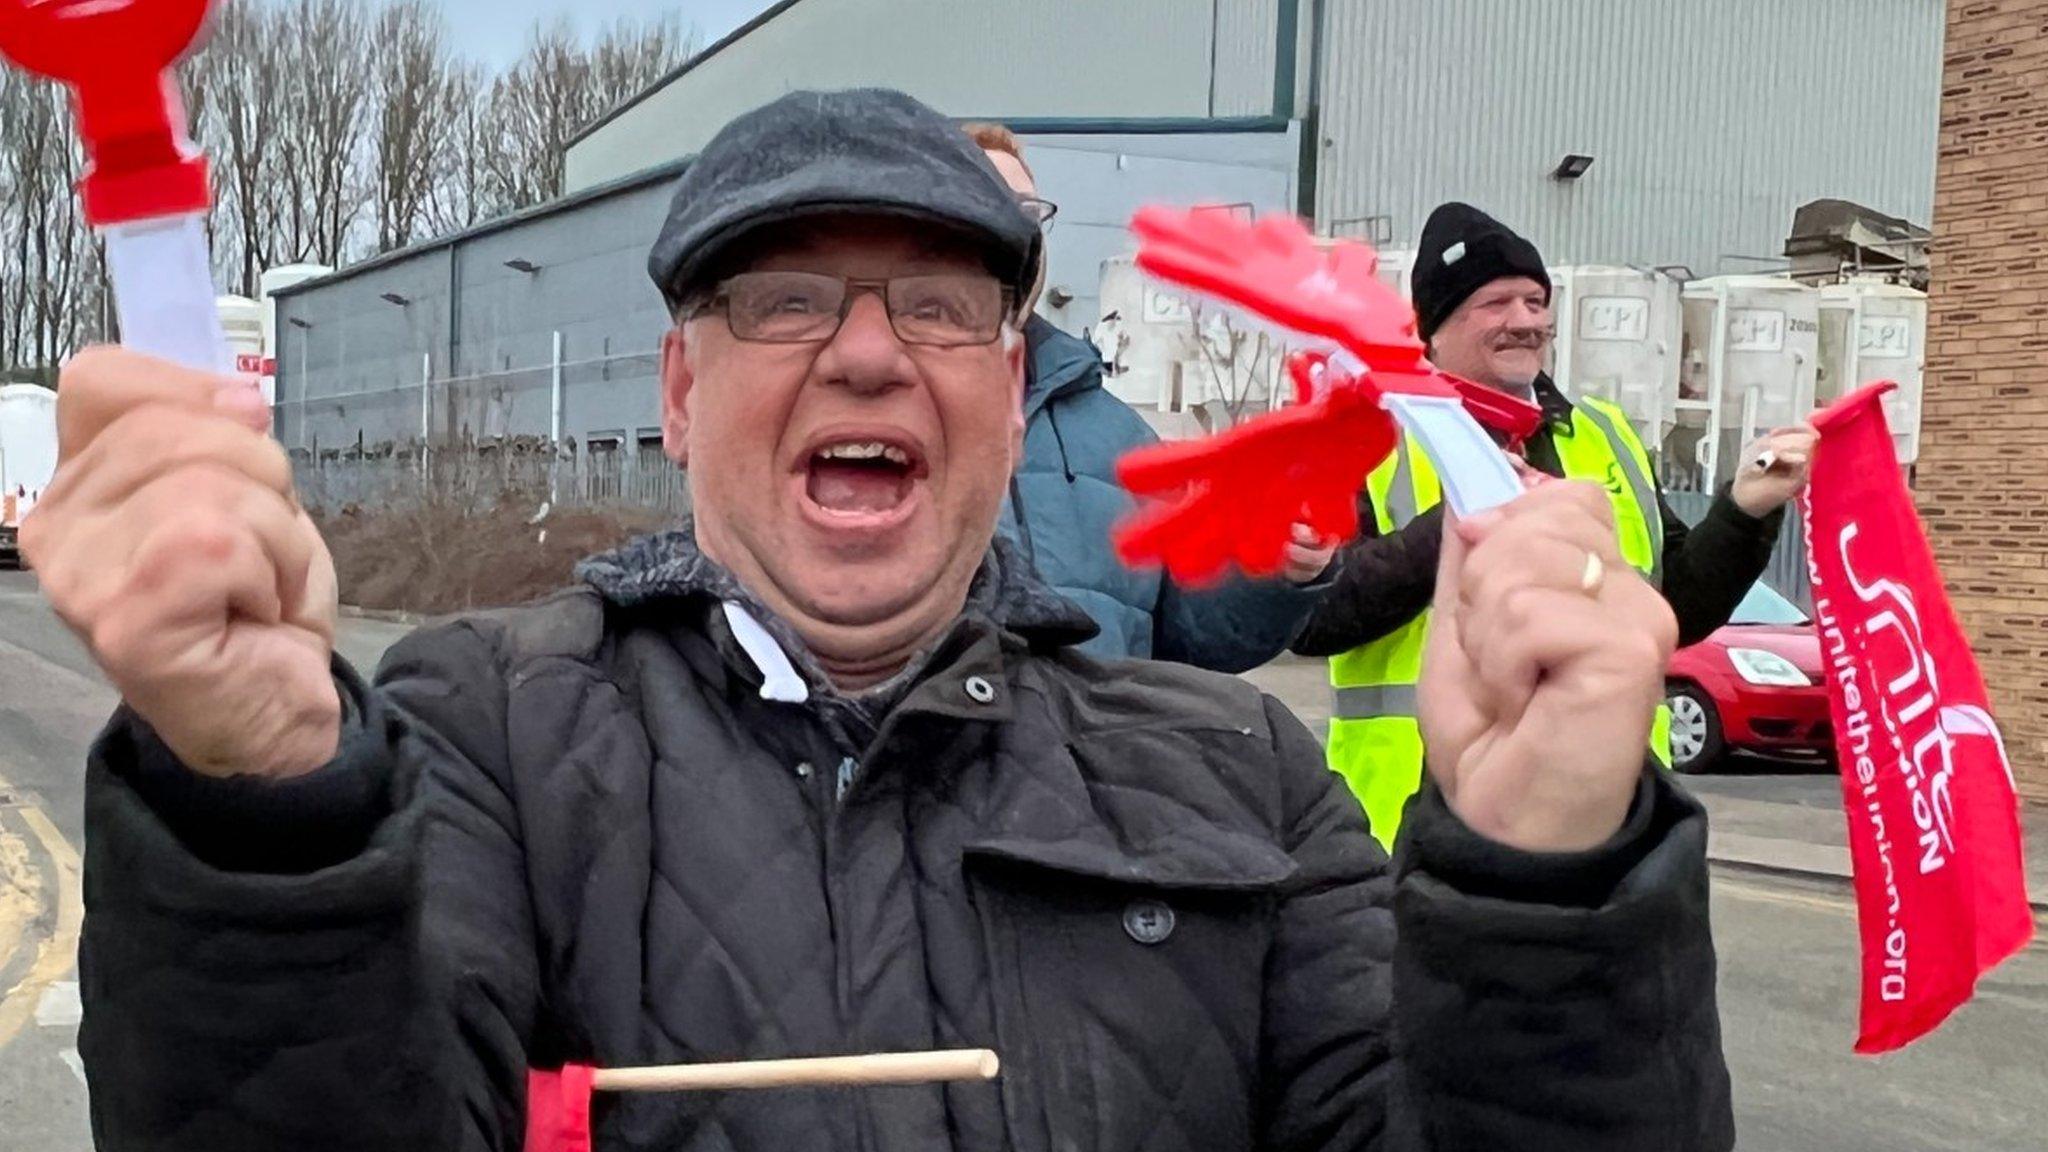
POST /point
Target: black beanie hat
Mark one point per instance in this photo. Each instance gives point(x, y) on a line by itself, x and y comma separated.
point(1462, 251)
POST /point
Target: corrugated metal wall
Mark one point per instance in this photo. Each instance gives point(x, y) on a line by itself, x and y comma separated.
point(1099, 181)
point(1040, 58)
point(1709, 122)
point(1247, 32)
point(355, 367)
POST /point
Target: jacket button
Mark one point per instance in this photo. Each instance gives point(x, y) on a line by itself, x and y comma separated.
point(979, 690)
point(1148, 921)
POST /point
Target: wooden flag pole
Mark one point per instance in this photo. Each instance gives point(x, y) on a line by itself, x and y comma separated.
point(824, 1072)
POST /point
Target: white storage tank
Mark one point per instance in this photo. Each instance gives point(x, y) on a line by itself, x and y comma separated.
point(1873, 330)
point(1749, 362)
point(241, 321)
point(28, 445)
point(272, 282)
point(1397, 271)
point(1186, 369)
point(1618, 337)
point(1143, 333)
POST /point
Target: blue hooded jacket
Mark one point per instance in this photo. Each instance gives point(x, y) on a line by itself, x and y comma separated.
point(1065, 499)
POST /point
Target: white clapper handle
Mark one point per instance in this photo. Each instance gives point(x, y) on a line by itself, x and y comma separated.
point(163, 291)
point(1473, 470)
point(1475, 473)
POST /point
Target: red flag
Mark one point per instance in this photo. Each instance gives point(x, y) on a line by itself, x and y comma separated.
point(558, 1109)
point(1934, 829)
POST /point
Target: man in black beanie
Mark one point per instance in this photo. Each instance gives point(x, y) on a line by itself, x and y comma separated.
point(1482, 304)
point(1469, 257)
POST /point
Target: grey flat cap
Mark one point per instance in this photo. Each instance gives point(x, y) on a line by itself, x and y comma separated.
point(809, 154)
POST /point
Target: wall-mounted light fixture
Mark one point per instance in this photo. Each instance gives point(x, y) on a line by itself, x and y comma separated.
point(395, 298)
point(521, 264)
point(1572, 167)
point(303, 325)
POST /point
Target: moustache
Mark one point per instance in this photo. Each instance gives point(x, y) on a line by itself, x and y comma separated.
point(1530, 338)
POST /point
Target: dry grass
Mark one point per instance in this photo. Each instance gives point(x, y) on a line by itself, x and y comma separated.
point(434, 559)
point(474, 530)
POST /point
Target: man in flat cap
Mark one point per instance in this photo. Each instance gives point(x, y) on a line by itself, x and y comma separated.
point(821, 772)
point(1482, 304)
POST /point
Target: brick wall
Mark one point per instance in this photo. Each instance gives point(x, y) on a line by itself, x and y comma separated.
point(1983, 472)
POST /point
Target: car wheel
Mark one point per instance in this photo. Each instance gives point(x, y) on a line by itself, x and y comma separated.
point(1695, 728)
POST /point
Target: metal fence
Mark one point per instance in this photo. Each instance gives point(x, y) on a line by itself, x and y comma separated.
point(489, 438)
point(497, 438)
point(613, 396)
point(1787, 572)
point(488, 475)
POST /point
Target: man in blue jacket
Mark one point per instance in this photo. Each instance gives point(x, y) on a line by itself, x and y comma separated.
point(1065, 499)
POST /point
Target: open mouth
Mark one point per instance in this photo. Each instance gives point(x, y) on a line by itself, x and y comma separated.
point(862, 480)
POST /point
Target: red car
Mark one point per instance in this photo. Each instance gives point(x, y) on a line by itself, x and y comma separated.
point(1755, 685)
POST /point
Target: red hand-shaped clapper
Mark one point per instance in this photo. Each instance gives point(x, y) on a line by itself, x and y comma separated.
point(116, 56)
point(1236, 497)
point(1274, 270)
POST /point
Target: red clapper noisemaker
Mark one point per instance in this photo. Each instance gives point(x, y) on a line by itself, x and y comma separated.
point(558, 1103)
point(1235, 497)
point(145, 189)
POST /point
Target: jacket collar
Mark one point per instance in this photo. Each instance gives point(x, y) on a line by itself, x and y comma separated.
point(1557, 407)
point(669, 566)
point(1058, 365)
point(1007, 606)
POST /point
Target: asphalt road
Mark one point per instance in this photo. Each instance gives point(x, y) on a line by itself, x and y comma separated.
point(1788, 956)
point(52, 702)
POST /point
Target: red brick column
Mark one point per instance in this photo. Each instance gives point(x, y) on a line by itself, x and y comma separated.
point(1983, 471)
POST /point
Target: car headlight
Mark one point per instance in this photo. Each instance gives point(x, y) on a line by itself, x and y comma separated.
point(1766, 668)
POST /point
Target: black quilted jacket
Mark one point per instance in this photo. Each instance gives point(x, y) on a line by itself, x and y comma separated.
point(576, 831)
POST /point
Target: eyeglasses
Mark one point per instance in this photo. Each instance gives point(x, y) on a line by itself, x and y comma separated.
point(1040, 211)
point(947, 310)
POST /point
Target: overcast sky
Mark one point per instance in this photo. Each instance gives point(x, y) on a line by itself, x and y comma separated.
point(495, 30)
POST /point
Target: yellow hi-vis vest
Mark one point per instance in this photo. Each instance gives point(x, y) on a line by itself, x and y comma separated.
point(1374, 741)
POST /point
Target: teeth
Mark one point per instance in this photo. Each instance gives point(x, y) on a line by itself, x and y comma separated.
point(866, 450)
point(862, 451)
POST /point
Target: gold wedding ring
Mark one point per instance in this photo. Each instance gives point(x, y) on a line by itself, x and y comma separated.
point(1594, 576)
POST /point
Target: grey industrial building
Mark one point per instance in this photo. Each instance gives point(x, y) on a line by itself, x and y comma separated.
point(1701, 126)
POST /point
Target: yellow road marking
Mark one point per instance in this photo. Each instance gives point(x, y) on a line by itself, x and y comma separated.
point(60, 951)
point(20, 893)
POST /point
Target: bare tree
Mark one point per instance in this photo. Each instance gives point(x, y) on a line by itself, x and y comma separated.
point(536, 108)
point(412, 85)
point(13, 222)
point(316, 126)
point(462, 193)
point(235, 82)
point(1243, 367)
point(629, 58)
point(49, 263)
point(336, 128)
point(558, 87)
